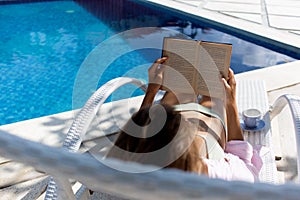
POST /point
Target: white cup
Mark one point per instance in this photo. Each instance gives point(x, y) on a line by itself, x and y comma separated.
point(251, 117)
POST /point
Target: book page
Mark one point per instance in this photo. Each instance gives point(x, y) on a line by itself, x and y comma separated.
point(179, 73)
point(214, 63)
point(220, 54)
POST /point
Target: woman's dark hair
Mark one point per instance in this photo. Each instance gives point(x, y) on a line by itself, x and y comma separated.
point(138, 146)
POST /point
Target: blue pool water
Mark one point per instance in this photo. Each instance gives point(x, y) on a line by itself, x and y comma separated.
point(48, 48)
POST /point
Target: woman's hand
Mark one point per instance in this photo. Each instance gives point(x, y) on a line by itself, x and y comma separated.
point(155, 74)
point(230, 88)
point(155, 77)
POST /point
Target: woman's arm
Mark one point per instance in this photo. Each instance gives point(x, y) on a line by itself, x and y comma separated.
point(233, 122)
point(155, 77)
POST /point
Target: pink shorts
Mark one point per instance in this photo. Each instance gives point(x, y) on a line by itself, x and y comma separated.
point(241, 162)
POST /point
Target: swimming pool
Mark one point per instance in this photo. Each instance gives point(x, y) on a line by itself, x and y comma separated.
point(44, 45)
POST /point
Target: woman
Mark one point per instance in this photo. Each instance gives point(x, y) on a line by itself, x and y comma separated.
point(173, 134)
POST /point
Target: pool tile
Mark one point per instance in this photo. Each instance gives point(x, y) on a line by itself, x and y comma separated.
point(283, 3)
point(284, 22)
point(284, 10)
point(194, 3)
point(246, 16)
point(235, 7)
point(296, 32)
point(239, 1)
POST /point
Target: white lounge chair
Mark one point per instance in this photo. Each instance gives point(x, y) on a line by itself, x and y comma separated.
point(64, 164)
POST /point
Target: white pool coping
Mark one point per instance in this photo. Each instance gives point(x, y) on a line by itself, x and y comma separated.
point(51, 130)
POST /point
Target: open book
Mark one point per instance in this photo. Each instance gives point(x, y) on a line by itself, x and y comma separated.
point(196, 66)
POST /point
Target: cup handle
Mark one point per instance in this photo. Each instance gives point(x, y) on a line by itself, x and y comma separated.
point(257, 120)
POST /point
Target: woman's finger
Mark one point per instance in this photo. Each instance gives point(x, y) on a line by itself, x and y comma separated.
point(231, 79)
point(156, 64)
point(225, 83)
point(161, 60)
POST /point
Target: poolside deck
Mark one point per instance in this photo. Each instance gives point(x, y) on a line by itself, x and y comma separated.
point(267, 21)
